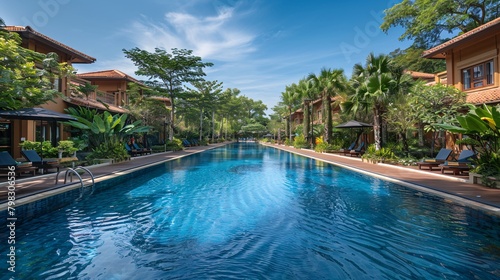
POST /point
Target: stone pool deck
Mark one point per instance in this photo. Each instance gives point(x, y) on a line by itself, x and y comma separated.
point(455, 188)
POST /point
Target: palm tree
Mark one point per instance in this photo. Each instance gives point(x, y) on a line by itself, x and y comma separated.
point(375, 84)
point(307, 93)
point(290, 98)
point(328, 83)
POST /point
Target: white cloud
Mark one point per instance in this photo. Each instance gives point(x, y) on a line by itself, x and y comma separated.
point(211, 37)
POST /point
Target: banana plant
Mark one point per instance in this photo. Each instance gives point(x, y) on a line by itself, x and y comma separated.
point(481, 124)
point(107, 128)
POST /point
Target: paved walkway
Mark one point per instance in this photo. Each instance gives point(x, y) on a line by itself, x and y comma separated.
point(456, 188)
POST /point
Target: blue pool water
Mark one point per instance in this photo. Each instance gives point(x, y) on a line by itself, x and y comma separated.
point(247, 211)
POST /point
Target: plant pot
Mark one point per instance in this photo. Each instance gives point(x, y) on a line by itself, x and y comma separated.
point(475, 178)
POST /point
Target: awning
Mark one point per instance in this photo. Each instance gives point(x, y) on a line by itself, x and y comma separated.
point(35, 114)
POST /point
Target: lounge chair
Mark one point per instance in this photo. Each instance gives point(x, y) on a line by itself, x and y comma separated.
point(359, 150)
point(440, 158)
point(7, 161)
point(132, 152)
point(461, 165)
point(143, 150)
point(37, 161)
point(343, 150)
point(186, 143)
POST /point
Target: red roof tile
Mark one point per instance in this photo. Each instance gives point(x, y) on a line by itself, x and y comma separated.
point(484, 96)
point(419, 75)
point(437, 51)
point(108, 74)
point(28, 32)
point(94, 104)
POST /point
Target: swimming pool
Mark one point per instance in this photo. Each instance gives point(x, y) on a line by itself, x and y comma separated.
point(248, 211)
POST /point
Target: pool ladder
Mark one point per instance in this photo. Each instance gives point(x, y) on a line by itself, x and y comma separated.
point(70, 171)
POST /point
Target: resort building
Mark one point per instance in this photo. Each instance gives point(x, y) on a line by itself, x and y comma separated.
point(111, 94)
point(14, 131)
point(472, 63)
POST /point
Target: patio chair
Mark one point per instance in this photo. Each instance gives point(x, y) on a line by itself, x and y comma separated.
point(186, 143)
point(132, 152)
point(344, 150)
point(143, 150)
point(440, 158)
point(6, 161)
point(359, 150)
point(461, 165)
point(37, 161)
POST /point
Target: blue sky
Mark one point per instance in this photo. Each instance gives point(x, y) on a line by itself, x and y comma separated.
point(257, 46)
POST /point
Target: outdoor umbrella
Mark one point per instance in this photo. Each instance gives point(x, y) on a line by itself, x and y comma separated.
point(354, 124)
point(38, 114)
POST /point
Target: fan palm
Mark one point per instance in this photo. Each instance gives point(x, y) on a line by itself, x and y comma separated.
point(328, 83)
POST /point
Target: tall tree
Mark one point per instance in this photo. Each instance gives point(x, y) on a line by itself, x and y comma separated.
point(375, 85)
point(328, 83)
point(429, 23)
point(308, 94)
point(22, 83)
point(289, 98)
point(436, 104)
point(205, 97)
point(426, 21)
point(170, 70)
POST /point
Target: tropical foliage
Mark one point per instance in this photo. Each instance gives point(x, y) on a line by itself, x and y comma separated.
point(482, 125)
point(22, 83)
point(168, 72)
point(107, 133)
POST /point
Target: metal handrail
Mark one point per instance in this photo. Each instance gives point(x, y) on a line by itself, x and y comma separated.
point(71, 171)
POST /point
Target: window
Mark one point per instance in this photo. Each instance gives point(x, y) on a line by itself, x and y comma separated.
point(478, 75)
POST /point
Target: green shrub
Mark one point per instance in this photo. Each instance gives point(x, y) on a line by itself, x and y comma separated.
point(109, 150)
point(174, 145)
point(322, 147)
point(382, 155)
point(44, 149)
point(288, 142)
point(66, 146)
point(300, 142)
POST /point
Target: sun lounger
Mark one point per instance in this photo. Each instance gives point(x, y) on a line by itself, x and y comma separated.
point(132, 152)
point(7, 162)
point(358, 151)
point(143, 150)
point(186, 143)
point(342, 151)
point(37, 161)
point(440, 158)
point(461, 165)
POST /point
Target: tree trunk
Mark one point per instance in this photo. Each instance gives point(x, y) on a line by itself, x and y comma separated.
point(213, 126)
point(406, 148)
point(290, 124)
point(327, 117)
point(201, 125)
point(376, 128)
point(420, 134)
point(305, 126)
point(172, 120)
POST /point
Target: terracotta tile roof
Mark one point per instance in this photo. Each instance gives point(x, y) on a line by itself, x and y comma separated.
point(437, 51)
point(108, 74)
point(419, 75)
point(161, 98)
point(484, 96)
point(28, 32)
point(94, 104)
